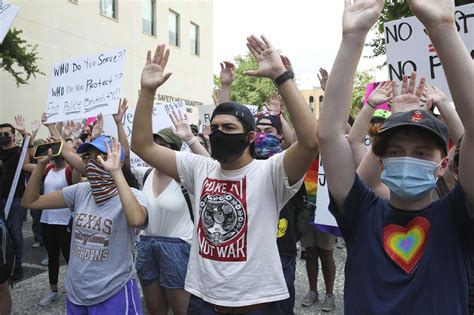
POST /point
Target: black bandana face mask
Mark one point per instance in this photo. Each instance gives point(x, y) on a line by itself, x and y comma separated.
point(227, 146)
point(4, 140)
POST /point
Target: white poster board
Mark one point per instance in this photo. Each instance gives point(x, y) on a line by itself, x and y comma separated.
point(8, 12)
point(86, 86)
point(322, 215)
point(409, 47)
point(160, 120)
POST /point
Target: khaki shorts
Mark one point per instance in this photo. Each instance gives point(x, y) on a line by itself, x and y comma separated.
point(311, 236)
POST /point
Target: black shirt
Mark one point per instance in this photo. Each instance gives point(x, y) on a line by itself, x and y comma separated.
point(10, 159)
point(287, 229)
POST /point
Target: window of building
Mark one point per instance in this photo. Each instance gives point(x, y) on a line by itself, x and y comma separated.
point(108, 8)
point(148, 16)
point(194, 39)
point(173, 25)
point(73, 1)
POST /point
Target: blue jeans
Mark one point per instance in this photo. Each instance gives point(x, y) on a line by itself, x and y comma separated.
point(15, 223)
point(289, 268)
point(198, 306)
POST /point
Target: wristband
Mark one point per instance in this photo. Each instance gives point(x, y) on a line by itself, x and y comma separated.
point(192, 141)
point(368, 103)
point(287, 75)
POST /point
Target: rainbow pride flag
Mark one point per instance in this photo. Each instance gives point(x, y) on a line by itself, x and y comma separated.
point(311, 182)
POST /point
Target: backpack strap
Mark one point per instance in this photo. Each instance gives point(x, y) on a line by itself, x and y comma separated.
point(188, 202)
point(68, 173)
point(148, 171)
point(49, 167)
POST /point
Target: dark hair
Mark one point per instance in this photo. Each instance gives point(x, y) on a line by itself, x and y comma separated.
point(129, 177)
point(7, 125)
point(456, 154)
point(380, 141)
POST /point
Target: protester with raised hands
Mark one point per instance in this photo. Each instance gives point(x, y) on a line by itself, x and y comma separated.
point(412, 148)
point(122, 137)
point(235, 195)
point(101, 273)
point(227, 76)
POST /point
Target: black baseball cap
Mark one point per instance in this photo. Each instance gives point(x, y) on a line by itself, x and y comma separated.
point(274, 121)
point(241, 112)
point(418, 118)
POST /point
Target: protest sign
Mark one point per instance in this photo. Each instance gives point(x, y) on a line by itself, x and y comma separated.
point(160, 120)
point(85, 87)
point(8, 13)
point(322, 216)
point(410, 49)
point(370, 88)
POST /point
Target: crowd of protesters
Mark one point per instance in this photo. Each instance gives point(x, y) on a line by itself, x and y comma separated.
point(213, 228)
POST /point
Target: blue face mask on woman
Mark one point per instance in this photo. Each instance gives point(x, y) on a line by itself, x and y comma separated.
point(409, 178)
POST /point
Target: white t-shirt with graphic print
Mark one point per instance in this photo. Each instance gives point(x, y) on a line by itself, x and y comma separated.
point(234, 258)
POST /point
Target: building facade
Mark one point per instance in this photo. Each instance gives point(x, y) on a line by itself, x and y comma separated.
point(67, 29)
point(314, 99)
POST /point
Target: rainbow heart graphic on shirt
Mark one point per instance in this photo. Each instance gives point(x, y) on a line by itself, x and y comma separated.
point(406, 246)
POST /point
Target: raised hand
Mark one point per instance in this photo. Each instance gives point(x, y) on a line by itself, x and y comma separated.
point(77, 130)
point(205, 133)
point(227, 75)
point(35, 126)
point(433, 12)
point(153, 74)
point(216, 96)
point(67, 129)
point(438, 97)
point(181, 126)
point(98, 127)
point(122, 110)
point(382, 94)
point(410, 95)
point(45, 161)
point(274, 105)
point(114, 152)
point(20, 124)
point(286, 62)
point(323, 77)
point(268, 59)
point(360, 16)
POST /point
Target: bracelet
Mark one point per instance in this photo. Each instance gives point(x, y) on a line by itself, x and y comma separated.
point(368, 103)
point(192, 141)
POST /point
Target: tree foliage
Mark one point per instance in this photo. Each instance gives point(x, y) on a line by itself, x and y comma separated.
point(394, 10)
point(245, 89)
point(19, 58)
point(361, 80)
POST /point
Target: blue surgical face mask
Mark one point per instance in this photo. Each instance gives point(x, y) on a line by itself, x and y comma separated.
point(409, 178)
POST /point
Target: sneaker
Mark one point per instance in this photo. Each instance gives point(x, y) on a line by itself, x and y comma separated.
point(45, 261)
point(310, 298)
point(17, 273)
point(329, 304)
point(36, 245)
point(50, 297)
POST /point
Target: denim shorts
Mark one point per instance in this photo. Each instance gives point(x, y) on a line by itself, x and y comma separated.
point(163, 259)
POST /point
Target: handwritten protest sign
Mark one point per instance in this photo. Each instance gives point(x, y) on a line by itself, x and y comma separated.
point(160, 120)
point(86, 86)
point(322, 215)
point(8, 13)
point(410, 49)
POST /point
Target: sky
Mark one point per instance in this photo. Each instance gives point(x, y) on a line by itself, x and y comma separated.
point(307, 31)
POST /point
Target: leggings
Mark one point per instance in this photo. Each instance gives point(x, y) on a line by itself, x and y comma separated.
point(56, 238)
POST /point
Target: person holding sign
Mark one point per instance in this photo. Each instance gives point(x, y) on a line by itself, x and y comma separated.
point(407, 254)
point(234, 266)
point(101, 273)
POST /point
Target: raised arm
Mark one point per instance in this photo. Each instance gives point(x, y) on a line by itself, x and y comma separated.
point(381, 94)
point(335, 149)
point(153, 76)
point(271, 66)
point(274, 105)
point(448, 112)
point(122, 137)
point(182, 129)
point(32, 199)
point(227, 76)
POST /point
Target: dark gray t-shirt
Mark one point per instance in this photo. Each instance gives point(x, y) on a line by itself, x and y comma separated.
point(102, 246)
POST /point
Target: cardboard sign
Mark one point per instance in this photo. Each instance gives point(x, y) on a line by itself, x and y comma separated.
point(8, 12)
point(160, 120)
point(410, 49)
point(85, 87)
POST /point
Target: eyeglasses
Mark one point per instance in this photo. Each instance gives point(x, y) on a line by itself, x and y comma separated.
point(87, 156)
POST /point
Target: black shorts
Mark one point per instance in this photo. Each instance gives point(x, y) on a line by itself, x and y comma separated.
point(5, 273)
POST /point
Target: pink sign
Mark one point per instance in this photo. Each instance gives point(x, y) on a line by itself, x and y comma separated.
point(370, 88)
point(90, 121)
